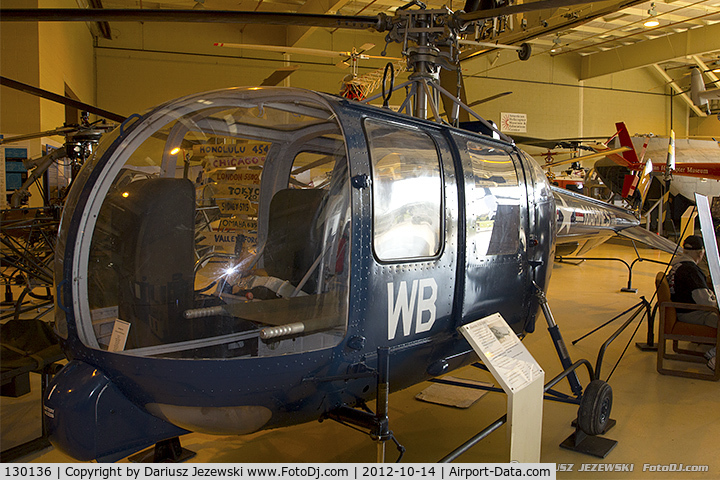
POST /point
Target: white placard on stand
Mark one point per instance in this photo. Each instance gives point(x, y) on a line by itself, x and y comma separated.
point(520, 377)
point(710, 241)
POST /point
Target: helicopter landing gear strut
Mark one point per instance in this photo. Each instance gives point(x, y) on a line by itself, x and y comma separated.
point(374, 424)
point(595, 403)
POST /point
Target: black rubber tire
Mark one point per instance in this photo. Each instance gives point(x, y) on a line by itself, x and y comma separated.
point(525, 52)
point(595, 407)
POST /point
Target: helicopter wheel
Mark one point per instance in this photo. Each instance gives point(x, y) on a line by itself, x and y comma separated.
point(595, 407)
point(525, 51)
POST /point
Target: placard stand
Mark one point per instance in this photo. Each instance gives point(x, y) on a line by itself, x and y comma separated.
point(520, 377)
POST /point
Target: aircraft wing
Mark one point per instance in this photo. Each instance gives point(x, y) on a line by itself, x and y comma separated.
point(592, 156)
point(584, 223)
point(649, 238)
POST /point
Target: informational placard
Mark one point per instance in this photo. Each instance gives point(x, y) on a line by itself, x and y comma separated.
point(513, 122)
point(708, 233)
point(119, 336)
point(520, 377)
point(503, 352)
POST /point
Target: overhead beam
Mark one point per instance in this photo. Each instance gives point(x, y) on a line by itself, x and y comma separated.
point(546, 22)
point(679, 91)
point(696, 41)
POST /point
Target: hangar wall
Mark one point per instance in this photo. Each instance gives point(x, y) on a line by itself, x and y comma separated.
point(546, 88)
point(66, 58)
point(50, 56)
point(137, 70)
point(19, 60)
point(147, 64)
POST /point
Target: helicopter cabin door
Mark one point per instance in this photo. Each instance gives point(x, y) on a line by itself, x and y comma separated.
point(497, 275)
point(414, 234)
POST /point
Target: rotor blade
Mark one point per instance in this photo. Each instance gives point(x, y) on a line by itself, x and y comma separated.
point(581, 158)
point(281, 49)
point(30, 136)
point(379, 57)
point(23, 87)
point(193, 16)
point(521, 8)
point(487, 99)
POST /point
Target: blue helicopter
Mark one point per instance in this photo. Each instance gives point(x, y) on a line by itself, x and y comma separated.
point(253, 258)
point(356, 228)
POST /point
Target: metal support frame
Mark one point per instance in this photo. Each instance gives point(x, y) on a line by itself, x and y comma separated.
point(423, 88)
point(570, 370)
point(648, 216)
point(641, 307)
point(629, 266)
point(649, 345)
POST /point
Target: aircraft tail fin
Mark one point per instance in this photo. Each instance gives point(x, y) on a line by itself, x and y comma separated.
point(629, 156)
point(645, 181)
point(630, 184)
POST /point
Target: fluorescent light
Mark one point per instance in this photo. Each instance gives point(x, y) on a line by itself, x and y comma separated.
point(651, 23)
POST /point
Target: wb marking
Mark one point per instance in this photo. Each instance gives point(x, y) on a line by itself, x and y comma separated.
point(414, 306)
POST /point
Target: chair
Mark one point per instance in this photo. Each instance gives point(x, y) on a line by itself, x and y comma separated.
point(672, 329)
point(292, 244)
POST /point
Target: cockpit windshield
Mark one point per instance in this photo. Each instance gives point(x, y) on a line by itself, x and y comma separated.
point(223, 231)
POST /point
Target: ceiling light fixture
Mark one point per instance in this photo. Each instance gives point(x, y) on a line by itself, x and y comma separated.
point(652, 21)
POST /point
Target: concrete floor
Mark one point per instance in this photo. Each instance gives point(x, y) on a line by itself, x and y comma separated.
point(660, 419)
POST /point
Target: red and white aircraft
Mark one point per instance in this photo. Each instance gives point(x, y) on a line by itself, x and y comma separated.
point(694, 164)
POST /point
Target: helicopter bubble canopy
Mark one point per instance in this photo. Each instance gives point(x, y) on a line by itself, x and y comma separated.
point(215, 226)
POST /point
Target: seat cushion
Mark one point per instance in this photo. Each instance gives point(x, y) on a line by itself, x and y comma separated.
point(682, 328)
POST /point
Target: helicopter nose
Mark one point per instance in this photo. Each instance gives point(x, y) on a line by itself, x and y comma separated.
point(232, 420)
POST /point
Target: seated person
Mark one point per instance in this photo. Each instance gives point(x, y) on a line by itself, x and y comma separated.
point(688, 285)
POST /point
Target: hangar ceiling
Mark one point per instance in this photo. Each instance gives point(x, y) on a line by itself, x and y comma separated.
point(610, 36)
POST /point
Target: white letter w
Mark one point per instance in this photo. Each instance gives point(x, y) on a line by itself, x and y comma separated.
point(401, 306)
